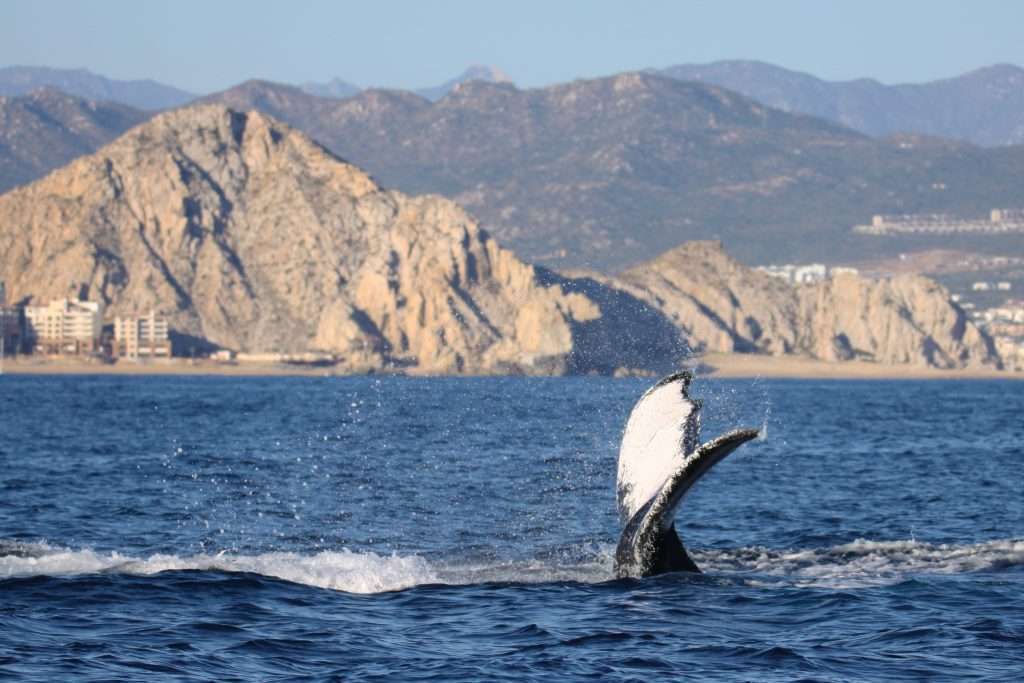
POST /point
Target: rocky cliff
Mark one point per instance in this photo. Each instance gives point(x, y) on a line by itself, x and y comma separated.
point(721, 305)
point(251, 236)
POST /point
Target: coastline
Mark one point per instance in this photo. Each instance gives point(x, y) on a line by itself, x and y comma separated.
point(723, 365)
point(742, 365)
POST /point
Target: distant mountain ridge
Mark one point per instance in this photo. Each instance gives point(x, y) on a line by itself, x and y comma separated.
point(607, 172)
point(48, 128)
point(984, 106)
point(604, 173)
point(140, 94)
point(340, 89)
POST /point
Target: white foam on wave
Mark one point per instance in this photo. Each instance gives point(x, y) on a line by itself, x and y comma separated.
point(858, 564)
point(341, 570)
point(863, 562)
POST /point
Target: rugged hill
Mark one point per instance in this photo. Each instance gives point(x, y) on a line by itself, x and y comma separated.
point(46, 129)
point(251, 236)
point(985, 106)
point(609, 172)
point(721, 305)
point(143, 94)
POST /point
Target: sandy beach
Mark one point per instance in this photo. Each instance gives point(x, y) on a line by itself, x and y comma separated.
point(174, 366)
point(749, 365)
point(716, 364)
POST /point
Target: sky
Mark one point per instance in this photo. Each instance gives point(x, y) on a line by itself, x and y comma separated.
point(209, 45)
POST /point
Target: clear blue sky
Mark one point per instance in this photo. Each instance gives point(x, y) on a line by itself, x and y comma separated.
point(212, 44)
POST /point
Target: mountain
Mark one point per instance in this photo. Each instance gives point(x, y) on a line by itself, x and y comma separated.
point(142, 94)
point(251, 236)
point(608, 172)
point(339, 89)
point(721, 305)
point(336, 88)
point(985, 107)
point(476, 72)
point(46, 129)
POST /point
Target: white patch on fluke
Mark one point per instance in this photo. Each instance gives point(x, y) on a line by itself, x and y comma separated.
point(662, 429)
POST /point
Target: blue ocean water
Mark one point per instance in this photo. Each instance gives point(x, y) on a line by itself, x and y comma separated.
point(463, 529)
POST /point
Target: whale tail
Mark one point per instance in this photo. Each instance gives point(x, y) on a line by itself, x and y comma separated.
point(659, 462)
point(649, 544)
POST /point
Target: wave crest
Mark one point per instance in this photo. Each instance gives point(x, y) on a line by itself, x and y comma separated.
point(864, 562)
point(857, 564)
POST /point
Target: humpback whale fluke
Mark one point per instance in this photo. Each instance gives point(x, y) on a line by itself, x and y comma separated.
point(659, 461)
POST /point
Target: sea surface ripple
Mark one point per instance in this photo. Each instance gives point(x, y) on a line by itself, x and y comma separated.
point(363, 528)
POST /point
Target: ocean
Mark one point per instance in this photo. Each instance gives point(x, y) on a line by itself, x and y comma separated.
point(392, 528)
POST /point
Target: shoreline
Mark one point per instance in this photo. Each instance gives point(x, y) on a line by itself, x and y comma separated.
point(719, 365)
point(741, 365)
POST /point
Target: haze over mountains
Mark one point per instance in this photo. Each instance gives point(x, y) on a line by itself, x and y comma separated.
point(985, 106)
point(141, 94)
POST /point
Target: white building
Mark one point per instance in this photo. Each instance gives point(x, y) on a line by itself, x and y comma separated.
point(843, 270)
point(814, 272)
point(797, 274)
point(144, 336)
point(65, 326)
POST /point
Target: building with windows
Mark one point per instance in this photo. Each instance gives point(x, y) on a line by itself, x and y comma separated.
point(65, 327)
point(141, 337)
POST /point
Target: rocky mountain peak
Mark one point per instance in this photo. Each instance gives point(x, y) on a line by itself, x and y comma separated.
point(249, 235)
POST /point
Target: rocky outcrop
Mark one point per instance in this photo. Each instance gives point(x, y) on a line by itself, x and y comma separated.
point(251, 236)
point(721, 305)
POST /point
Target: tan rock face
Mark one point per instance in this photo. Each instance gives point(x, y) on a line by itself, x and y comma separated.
point(721, 305)
point(250, 235)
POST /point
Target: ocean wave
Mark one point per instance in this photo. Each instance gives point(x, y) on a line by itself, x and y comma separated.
point(864, 562)
point(340, 570)
point(857, 564)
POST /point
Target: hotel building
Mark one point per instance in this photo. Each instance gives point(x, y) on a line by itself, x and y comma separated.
point(141, 337)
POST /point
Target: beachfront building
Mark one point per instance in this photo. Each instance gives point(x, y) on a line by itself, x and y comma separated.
point(10, 330)
point(141, 337)
point(999, 221)
point(65, 327)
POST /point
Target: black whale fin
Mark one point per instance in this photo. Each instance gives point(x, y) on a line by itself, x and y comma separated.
point(649, 543)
